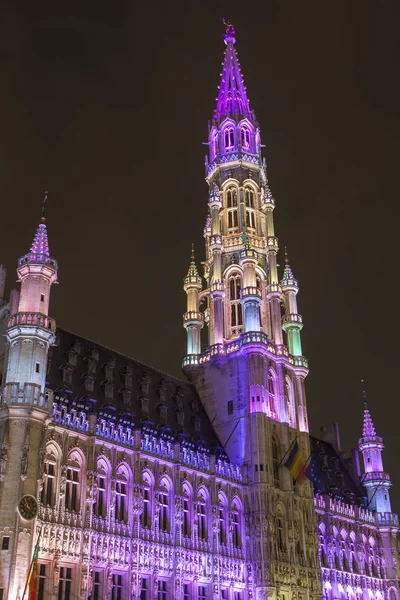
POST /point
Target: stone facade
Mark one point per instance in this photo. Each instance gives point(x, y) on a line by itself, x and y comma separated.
point(132, 484)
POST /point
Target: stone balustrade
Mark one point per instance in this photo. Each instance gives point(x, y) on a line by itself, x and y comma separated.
point(37, 258)
point(32, 318)
point(27, 393)
point(376, 476)
point(193, 315)
point(292, 318)
point(250, 290)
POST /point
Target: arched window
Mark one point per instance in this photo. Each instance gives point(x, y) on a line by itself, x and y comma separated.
point(214, 145)
point(202, 517)
point(229, 138)
point(103, 479)
point(50, 472)
point(250, 203)
point(147, 495)
point(275, 461)
point(236, 523)
point(187, 502)
point(245, 138)
point(163, 499)
point(272, 393)
point(232, 212)
point(222, 512)
point(121, 495)
point(229, 105)
point(73, 482)
point(236, 315)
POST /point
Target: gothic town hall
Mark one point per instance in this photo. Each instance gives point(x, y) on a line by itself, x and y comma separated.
point(118, 482)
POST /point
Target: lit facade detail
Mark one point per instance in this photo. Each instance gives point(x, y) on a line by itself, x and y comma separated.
point(152, 488)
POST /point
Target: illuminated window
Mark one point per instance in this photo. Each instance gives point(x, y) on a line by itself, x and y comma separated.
point(249, 197)
point(235, 528)
point(146, 514)
point(229, 138)
point(231, 204)
point(236, 316)
point(120, 501)
point(222, 524)
point(96, 589)
point(202, 592)
point(144, 589)
point(48, 491)
point(201, 520)
point(163, 500)
point(245, 138)
point(186, 516)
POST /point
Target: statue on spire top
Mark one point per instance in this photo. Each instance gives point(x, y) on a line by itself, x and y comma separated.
point(230, 34)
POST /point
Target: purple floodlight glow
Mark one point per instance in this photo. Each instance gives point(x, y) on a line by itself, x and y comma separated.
point(368, 426)
point(40, 243)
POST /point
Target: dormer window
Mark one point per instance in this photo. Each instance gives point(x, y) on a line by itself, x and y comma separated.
point(229, 138)
point(245, 138)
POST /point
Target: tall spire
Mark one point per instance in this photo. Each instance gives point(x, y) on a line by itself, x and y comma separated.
point(40, 243)
point(192, 271)
point(232, 97)
point(288, 277)
point(368, 426)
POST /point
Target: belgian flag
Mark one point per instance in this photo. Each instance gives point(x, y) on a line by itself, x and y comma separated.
point(31, 586)
point(295, 461)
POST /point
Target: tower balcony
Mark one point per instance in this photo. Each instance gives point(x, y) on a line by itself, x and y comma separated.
point(274, 290)
point(251, 292)
point(292, 319)
point(272, 243)
point(25, 394)
point(231, 157)
point(33, 258)
point(216, 242)
point(217, 288)
point(193, 317)
point(377, 477)
point(268, 203)
point(32, 319)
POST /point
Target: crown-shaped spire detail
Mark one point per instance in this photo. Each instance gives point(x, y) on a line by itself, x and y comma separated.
point(288, 278)
point(192, 272)
point(40, 243)
point(232, 97)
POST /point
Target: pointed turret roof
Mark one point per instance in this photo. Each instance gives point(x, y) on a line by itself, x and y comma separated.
point(288, 277)
point(192, 272)
point(232, 97)
point(40, 241)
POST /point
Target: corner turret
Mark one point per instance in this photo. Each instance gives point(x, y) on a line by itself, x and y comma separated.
point(193, 319)
point(292, 322)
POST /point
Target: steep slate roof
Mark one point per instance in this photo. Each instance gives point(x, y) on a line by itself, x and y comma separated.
point(84, 373)
point(337, 478)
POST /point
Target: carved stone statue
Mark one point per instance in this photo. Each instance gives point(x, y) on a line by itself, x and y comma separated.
point(24, 459)
point(3, 460)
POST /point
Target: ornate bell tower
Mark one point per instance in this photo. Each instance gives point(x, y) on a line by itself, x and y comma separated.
point(24, 407)
point(251, 374)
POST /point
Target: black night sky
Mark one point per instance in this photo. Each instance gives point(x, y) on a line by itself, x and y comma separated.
point(106, 104)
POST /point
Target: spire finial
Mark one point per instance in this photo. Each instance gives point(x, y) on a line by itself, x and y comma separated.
point(364, 394)
point(44, 207)
point(192, 256)
point(286, 256)
point(230, 34)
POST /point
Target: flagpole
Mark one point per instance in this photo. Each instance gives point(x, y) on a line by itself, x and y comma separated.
point(287, 452)
point(34, 557)
point(303, 468)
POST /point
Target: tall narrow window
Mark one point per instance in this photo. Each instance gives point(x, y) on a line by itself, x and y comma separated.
point(117, 587)
point(100, 506)
point(146, 506)
point(47, 496)
point(249, 197)
point(245, 138)
point(272, 394)
point(37, 367)
point(65, 584)
point(229, 138)
point(42, 582)
point(280, 533)
point(186, 591)
point(164, 521)
point(144, 589)
point(235, 284)
point(96, 589)
point(186, 517)
point(201, 519)
point(120, 500)
point(72, 490)
point(222, 525)
point(214, 146)
point(275, 462)
point(202, 593)
point(235, 528)
point(162, 590)
point(232, 210)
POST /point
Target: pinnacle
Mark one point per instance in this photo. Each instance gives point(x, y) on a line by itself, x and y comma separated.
point(232, 97)
point(40, 243)
point(192, 271)
point(288, 277)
